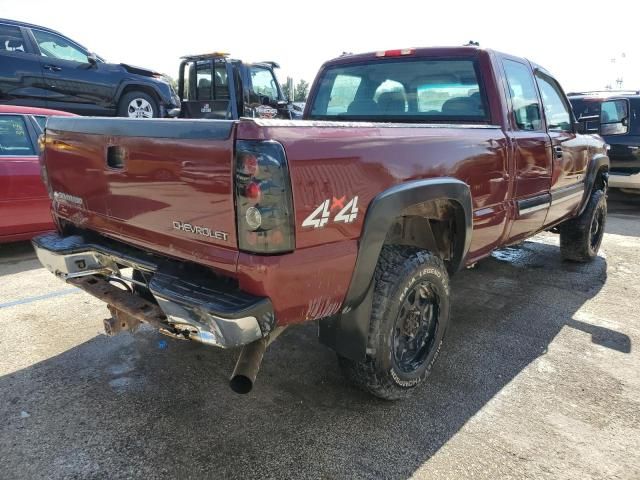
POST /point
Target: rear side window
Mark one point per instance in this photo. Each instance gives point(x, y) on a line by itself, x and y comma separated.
point(524, 99)
point(14, 137)
point(11, 39)
point(402, 90)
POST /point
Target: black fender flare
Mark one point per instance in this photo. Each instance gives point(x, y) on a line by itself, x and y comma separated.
point(597, 164)
point(141, 85)
point(347, 333)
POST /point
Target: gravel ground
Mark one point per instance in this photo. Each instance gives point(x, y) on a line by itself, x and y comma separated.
point(538, 378)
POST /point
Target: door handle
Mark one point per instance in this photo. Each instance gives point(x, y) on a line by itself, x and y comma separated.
point(557, 150)
point(53, 68)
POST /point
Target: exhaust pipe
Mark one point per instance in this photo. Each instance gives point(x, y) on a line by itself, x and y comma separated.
point(248, 364)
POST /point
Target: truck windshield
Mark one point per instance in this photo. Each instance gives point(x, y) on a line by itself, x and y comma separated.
point(403, 90)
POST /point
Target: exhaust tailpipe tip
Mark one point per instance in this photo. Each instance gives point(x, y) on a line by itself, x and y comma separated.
point(241, 384)
point(246, 370)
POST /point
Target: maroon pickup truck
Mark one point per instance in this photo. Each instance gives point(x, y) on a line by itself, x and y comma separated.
point(410, 165)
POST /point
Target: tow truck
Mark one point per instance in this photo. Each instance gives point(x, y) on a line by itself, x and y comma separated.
point(214, 86)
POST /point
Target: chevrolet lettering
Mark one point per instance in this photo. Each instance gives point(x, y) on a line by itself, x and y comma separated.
point(198, 230)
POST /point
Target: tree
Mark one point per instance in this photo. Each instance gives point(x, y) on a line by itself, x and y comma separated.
point(285, 89)
point(169, 79)
point(301, 91)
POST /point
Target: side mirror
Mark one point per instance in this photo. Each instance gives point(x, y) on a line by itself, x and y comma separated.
point(92, 59)
point(582, 125)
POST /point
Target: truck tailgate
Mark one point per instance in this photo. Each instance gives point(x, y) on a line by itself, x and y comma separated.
point(161, 184)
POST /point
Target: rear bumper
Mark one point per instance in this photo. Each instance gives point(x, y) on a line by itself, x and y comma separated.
point(204, 309)
point(621, 180)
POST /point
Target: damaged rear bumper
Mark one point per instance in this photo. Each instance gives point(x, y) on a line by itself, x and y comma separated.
point(185, 306)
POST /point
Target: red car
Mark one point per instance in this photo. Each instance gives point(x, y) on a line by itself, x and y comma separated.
point(24, 202)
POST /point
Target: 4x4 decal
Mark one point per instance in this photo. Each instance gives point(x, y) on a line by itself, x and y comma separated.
point(322, 214)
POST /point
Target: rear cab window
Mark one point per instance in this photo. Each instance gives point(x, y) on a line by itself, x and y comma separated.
point(402, 90)
point(14, 137)
point(211, 81)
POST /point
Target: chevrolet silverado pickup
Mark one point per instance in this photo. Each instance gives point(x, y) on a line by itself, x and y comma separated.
point(409, 165)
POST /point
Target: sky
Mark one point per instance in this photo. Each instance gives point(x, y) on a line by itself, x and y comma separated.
point(574, 41)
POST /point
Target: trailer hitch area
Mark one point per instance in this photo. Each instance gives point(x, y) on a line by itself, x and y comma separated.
point(127, 310)
point(120, 321)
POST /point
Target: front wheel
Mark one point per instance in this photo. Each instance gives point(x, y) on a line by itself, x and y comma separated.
point(409, 318)
point(138, 105)
point(581, 237)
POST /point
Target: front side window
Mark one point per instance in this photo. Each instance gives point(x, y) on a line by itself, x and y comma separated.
point(264, 83)
point(614, 117)
point(556, 110)
point(55, 46)
point(406, 90)
point(11, 39)
point(524, 99)
point(14, 137)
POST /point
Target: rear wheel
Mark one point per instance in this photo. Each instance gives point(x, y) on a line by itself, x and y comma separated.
point(409, 318)
point(581, 237)
point(138, 105)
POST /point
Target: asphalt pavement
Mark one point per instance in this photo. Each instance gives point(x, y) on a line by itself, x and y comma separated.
point(538, 378)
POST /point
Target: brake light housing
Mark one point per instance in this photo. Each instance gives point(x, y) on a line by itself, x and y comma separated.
point(263, 198)
point(396, 53)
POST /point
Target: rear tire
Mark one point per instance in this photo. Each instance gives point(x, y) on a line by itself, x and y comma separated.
point(581, 237)
point(409, 318)
point(138, 104)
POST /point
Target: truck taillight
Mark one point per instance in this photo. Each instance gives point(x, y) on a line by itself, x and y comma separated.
point(264, 207)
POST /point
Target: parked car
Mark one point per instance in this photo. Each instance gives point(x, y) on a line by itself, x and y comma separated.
point(410, 165)
point(40, 67)
point(25, 208)
point(214, 86)
point(615, 115)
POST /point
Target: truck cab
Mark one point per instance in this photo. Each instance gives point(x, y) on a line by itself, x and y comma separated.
point(215, 86)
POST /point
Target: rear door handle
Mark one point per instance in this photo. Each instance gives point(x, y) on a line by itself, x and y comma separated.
point(557, 150)
point(53, 68)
